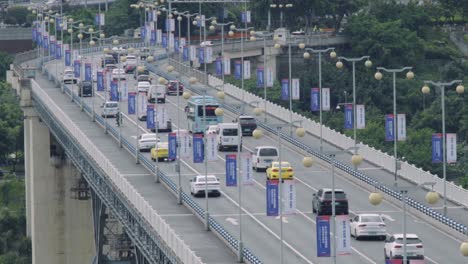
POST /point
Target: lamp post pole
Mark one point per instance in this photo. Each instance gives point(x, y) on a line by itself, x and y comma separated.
point(378, 76)
point(339, 64)
point(242, 30)
point(222, 25)
point(460, 89)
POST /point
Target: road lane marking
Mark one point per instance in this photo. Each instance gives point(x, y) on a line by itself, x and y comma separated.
point(232, 220)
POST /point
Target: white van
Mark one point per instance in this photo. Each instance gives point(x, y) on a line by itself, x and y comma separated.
point(228, 136)
point(157, 93)
point(263, 156)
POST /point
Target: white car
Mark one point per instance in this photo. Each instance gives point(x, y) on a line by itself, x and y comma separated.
point(143, 86)
point(198, 185)
point(69, 76)
point(394, 247)
point(110, 108)
point(263, 156)
point(368, 225)
point(211, 129)
point(118, 74)
point(206, 44)
point(147, 141)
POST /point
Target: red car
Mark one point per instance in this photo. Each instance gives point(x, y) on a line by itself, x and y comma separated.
point(172, 88)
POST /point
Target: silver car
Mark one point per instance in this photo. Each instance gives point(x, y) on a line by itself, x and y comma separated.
point(110, 109)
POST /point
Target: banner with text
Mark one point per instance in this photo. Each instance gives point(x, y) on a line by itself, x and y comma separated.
point(246, 167)
point(451, 147)
point(246, 69)
point(323, 235)
point(314, 99)
point(343, 235)
point(172, 146)
point(296, 92)
point(114, 91)
point(326, 99)
point(88, 72)
point(237, 69)
point(401, 126)
point(227, 65)
point(150, 116)
point(272, 207)
point(131, 102)
point(100, 80)
point(162, 116)
point(289, 197)
point(348, 116)
point(389, 123)
point(231, 170)
point(284, 89)
point(260, 77)
point(360, 116)
point(198, 148)
point(183, 139)
point(211, 149)
point(437, 148)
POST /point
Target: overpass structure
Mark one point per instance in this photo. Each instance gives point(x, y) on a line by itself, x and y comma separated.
point(71, 149)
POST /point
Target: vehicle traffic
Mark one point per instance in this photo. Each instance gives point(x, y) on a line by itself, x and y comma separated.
point(263, 156)
point(110, 109)
point(322, 202)
point(227, 136)
point(118, 74)
point(393, 248)
point(368, 225)
point(273, 172)
point(147, 141)
point(69, 76)
point(198, 185)
point(157, 94)
point(195, 117)
point(85, 88)
point(160, 152)
point(248, 124)
point(172, 87)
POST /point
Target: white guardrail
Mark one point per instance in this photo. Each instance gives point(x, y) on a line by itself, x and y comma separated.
point(177, 245)
point(375, 156)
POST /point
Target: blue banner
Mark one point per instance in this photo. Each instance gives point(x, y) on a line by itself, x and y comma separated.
point(198, 148)
point(201, 55)
point(143, 33)
point(172, 140)
point(58, 52)
point(114, 91)
point(52, 48)
point(437, 150)
point(167, 25)
point(272, 197)
point(284, 89)
point(58, 23)
point(39, 39)
point(260, 77)
point(185, 54)
point(315, 99)
point(67, 57)
point(323, 236)
point(150, 15)
point(100, 80)
point(238, 69)
point(34, 34)
point(131, 102)
point(96, 19)
point(219, 66)
point(231, 170)
point(176, 45)
point(46, 42)
point(389, 123)
point(153, 37)
point(164, 40)
point(150, 117)
point(243, 17)
point(88, 72)
point(348, 116)
point(77, 68)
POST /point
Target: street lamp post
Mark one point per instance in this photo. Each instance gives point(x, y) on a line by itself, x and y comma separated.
point(222, 25)
point(241, 30)
point(339, 65)
point(460, 89)
point(280, 7)
point(306, 56)
point(409, 76)
point(203, 24)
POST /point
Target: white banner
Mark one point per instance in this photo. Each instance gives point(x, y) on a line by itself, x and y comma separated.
point(75, 55)
point(148, 32)
point(193, 53)
point(227, 65)
point(141, 104)
point(155, 15)
point(203, 20)
point(159, 36)
point(64, 24)
point(289, 197)
point(401, 125)
point(172, 24)
point(208, 55)
point(246, 69)
point(152, 27)
point(296, 92)
point(65, 46)
point(184, 141)
point(451, 147)
point(211, 149)
point(108, 77)
point(325, 99)
point(52, 38)
point(162, 115)
point(343, 235)
point(123, 88)
point(246, 167)
point(269, 77)
point(182, 43)
point(171, 40)
point(361, 117)
point(102, 19)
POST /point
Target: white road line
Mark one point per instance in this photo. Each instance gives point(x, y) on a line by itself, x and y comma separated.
point(135, 175)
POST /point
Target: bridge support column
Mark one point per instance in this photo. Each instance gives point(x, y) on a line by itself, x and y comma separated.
point(60, 222)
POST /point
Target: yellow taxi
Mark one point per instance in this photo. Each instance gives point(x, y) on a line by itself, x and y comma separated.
point(161, 153)
point(287, 171)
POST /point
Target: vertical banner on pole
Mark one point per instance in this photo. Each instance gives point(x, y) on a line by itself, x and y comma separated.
point(348, 116)
point(209, 55)
point(247, 172)
point(314, 99)
point(201, 55)
point(171, 40)
point(150, 116)
point(131, 103)
point(198, 148)
point(100, 80)
point(58, 50)
point(260, 77)
point(237, 69)
point(437, 148)
point(269, 77)
point(185, 53)
point(46, 42)
point(284, 89)
point(296, 94)
point(176, 45)
point(246, 69)
point(67, 58)
point(142, 105)
point(158, 36)
point(161, 112)
point(164, 40)
point(153, 37)
point(289, 197)
point(77, 68)
point(114, 91)
point(123, 88)
point(343, 235)
point(182, 44)
point(211, 150)
point(184, 141)
point(272, 206)
point(389, 123)
point(360, 116)
point(219, 66)
point(323, 236)
point(231, 170)
point(88, 72)
point(52, 46)
point(326, 99)
point(401, 133)
point(193, 53)
point(451, 147)
point(227, 65)
point(172, 144)
point(246, 17)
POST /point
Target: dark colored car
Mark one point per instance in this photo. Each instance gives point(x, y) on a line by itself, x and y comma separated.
point(136, 73)
point(248, 124)
point(85, 88)
point(167, 129)
point(108, 59)
point(143, 78)
point(172, 88)
point(322, 202)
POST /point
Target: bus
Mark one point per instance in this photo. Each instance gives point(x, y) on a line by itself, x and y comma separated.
point(194, 110)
